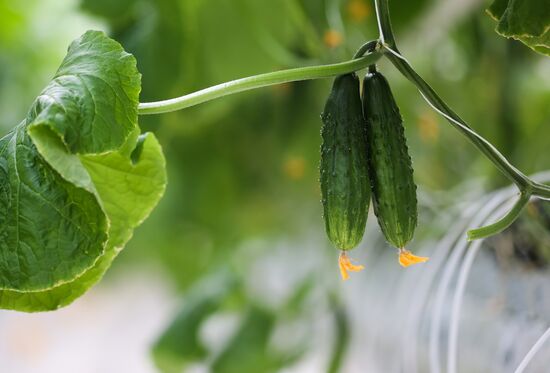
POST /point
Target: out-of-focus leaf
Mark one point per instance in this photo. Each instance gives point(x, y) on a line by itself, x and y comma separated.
point(342, 332)
point(114, 11)
point(403, 13)
point(179, 344)
point(296, 299)
point(247, 351)
point(524, 20)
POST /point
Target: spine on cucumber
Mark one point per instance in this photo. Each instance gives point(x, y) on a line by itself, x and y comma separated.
point(389, 163)
point(344, 179)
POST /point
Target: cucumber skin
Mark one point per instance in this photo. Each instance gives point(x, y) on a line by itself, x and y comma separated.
point(389, 163)
point(344, 177)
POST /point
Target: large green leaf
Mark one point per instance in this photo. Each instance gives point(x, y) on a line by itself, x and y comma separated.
point(525, 20)
point(130, 186)
point(79, 178)
point(50, 230)
point(91, 103)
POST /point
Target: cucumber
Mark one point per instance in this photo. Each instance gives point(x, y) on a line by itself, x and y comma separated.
point(344, 177)
point(389, 163)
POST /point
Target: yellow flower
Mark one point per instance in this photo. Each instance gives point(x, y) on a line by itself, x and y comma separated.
point(406, 258)
point(346, 265)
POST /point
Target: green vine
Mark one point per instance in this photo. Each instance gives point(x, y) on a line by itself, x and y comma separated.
point(258, 81)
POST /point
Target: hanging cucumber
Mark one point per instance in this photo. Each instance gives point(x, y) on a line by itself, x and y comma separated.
point(390, 168)
point(344, 179)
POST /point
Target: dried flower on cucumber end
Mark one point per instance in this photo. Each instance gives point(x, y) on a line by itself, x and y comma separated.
point(406, 258)
point(345, 264)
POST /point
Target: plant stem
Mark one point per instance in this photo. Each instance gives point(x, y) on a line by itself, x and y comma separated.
point(384, 23)
point(382, 13)
point(492, 153)
point(541, 190)
point(258, 81)
point(502, 223)
point(368, 47)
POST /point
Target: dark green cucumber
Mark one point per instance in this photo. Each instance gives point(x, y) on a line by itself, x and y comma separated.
point(390, 168)
point(344, 179)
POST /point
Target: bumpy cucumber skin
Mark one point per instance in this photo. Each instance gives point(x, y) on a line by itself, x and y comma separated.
point(390, 166)
point(344, 178)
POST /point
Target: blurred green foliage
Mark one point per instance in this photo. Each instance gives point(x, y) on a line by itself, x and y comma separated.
point(180, 344)
point(245, 167)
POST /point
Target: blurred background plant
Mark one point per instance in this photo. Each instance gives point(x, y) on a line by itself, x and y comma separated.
point(239, 234)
